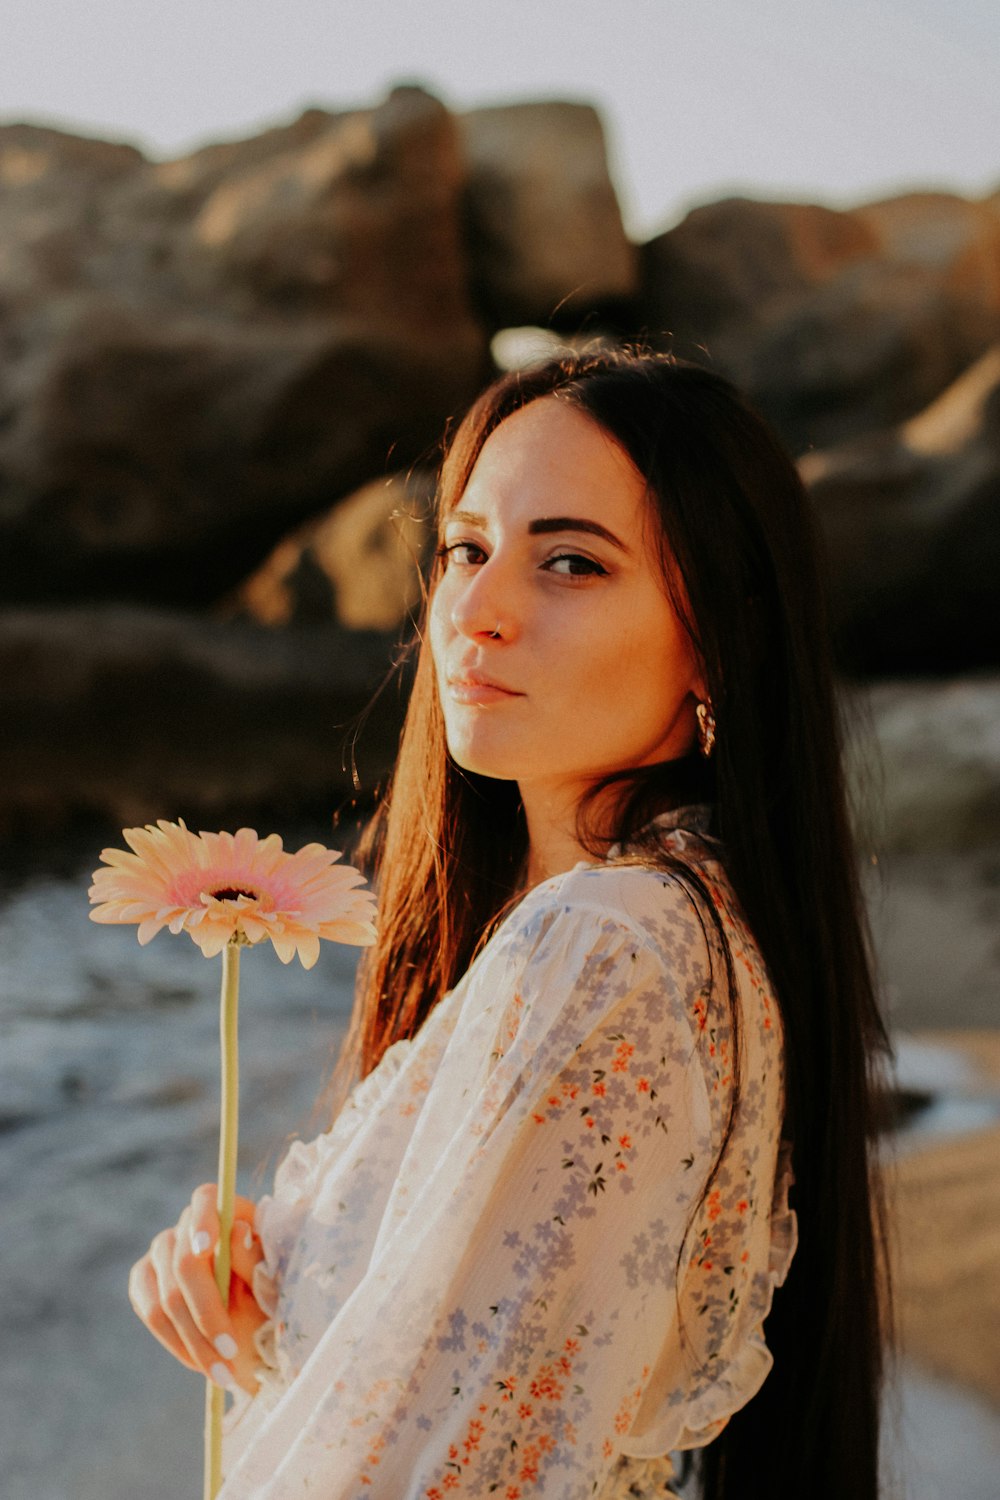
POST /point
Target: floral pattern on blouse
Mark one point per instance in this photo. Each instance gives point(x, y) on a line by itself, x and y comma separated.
point(491, 1276)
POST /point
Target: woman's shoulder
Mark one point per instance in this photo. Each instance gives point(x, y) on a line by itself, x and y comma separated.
point(646, 902)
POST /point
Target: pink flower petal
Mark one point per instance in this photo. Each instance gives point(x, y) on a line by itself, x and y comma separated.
point(168, 878)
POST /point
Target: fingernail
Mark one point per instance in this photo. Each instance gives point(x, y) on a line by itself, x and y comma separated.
point(226, 1345)
point(222, 1377)
point(247, 1233)
point(200, 1241)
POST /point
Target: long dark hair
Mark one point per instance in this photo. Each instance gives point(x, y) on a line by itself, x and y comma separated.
point(447, 847)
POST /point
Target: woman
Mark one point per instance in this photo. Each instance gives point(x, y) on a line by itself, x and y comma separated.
point(621, 986)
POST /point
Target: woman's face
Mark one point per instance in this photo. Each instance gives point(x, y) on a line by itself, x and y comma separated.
point(559, 656)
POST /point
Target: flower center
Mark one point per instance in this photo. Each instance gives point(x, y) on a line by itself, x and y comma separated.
point(230, 893)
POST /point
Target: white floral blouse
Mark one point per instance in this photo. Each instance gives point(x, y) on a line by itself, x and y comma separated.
point(482, 1280)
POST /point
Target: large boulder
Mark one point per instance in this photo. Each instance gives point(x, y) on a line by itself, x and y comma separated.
point(911, 521)
point(360, 566)
point(140, 713)
point(836, 323)
point(546, 241)
point(199, 354)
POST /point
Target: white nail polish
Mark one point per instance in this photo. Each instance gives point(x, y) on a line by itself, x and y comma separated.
point(226, 1345)
point(200, 1241)
point(222, 1377)
point(249, 1239)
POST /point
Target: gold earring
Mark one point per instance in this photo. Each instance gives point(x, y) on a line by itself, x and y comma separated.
point(706, 726)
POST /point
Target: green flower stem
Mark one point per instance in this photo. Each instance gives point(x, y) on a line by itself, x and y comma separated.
point(215, 1398)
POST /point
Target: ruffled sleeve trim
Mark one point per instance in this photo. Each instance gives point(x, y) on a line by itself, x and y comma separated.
point(706, 1413)
point(784, 1222)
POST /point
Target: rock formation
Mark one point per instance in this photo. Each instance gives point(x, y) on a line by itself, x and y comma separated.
point(360, 565)
point(911, 518)
point(150, 713)
point(201, 353)
point(835, 323)
point(224, 375)
point(546, 242)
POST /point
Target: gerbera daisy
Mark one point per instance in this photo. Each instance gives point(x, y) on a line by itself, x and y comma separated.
point(215, 886)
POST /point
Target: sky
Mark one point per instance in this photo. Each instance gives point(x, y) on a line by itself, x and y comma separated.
point(832, 101)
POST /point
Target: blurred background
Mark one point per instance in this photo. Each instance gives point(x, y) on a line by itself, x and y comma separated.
point(252, 260)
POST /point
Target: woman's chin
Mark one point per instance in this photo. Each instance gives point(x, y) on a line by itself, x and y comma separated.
point(483, 761)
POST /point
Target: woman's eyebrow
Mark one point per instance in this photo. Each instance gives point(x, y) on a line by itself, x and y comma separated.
point(546, 524)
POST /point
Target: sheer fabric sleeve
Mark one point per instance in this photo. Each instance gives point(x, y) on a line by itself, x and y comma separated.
point(517, 1326)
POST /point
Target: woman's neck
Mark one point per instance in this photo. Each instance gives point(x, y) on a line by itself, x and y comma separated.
point(551, 820)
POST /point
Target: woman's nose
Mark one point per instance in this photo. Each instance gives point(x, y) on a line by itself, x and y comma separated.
point(481, 609)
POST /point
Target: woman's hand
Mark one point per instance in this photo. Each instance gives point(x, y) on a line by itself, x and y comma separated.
point(172, 1289)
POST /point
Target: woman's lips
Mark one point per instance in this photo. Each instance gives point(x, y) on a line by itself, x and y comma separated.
point(479, 690)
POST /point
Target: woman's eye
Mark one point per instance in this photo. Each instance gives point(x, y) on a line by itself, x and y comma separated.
point(574, 565)
point(459, 552)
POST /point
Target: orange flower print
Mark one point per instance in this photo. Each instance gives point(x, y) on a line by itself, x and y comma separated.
point(623, 1052)
point(643, 1086)
point(625, 1142)
point(474, 1437)
point(714, 1204)
point(625, 1413)
point(373, 1456)
point(545, 1386)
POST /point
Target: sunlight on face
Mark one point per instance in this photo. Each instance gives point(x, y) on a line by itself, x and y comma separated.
point(559, 656)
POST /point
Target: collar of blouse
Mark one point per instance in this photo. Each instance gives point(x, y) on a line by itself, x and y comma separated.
point(691, 817)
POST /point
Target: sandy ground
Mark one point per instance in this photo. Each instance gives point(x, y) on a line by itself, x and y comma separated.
point(936, 922)
point(946, 1197)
